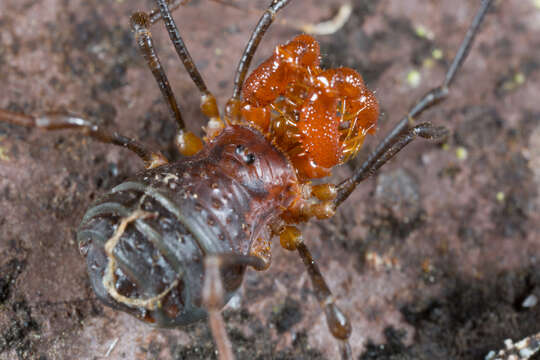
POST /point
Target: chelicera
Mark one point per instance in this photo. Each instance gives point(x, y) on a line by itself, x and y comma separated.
point(171, 245)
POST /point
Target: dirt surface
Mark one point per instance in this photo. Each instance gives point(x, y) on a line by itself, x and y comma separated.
point(437, 256)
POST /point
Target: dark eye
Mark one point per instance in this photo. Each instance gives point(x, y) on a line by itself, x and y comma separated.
point(249, 158)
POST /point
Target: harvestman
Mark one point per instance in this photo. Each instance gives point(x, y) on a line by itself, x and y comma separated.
point(213, 288)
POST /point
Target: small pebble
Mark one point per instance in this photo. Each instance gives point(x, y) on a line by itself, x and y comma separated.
point(530, 301)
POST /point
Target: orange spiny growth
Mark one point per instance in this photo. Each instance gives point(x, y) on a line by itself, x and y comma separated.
point(319, 118)
point(272, 77)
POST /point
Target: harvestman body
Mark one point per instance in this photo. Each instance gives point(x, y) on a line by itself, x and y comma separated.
point(171, 244)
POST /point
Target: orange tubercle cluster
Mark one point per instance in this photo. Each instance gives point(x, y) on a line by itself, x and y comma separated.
point(318, 117)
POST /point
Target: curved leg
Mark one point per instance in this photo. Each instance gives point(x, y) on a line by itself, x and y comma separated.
point(56, 121)
point(232, 110)
point(392, 143)
point(425, 130)
point(213, 293)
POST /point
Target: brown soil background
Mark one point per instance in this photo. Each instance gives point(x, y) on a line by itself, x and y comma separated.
point(433, 256)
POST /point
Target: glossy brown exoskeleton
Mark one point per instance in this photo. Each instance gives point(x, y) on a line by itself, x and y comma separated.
point(219, 201)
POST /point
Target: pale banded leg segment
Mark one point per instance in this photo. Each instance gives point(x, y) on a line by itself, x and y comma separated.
point(213, 295)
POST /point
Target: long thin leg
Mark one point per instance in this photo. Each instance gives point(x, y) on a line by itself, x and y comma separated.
point(188, 143)
point(155, 14)
point(424, 130)
point(213, 293)
point(140, 23)
point(180, 46)
point(264, 23)
point(337, 321)
point(208, 101)
point(57, 121)
point(163, 12)
point(291, 239)
point(390, 145)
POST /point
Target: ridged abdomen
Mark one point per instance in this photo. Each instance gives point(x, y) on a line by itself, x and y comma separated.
point(145, 241)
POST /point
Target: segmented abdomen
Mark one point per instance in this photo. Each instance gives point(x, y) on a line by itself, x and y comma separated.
point(145, 240)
